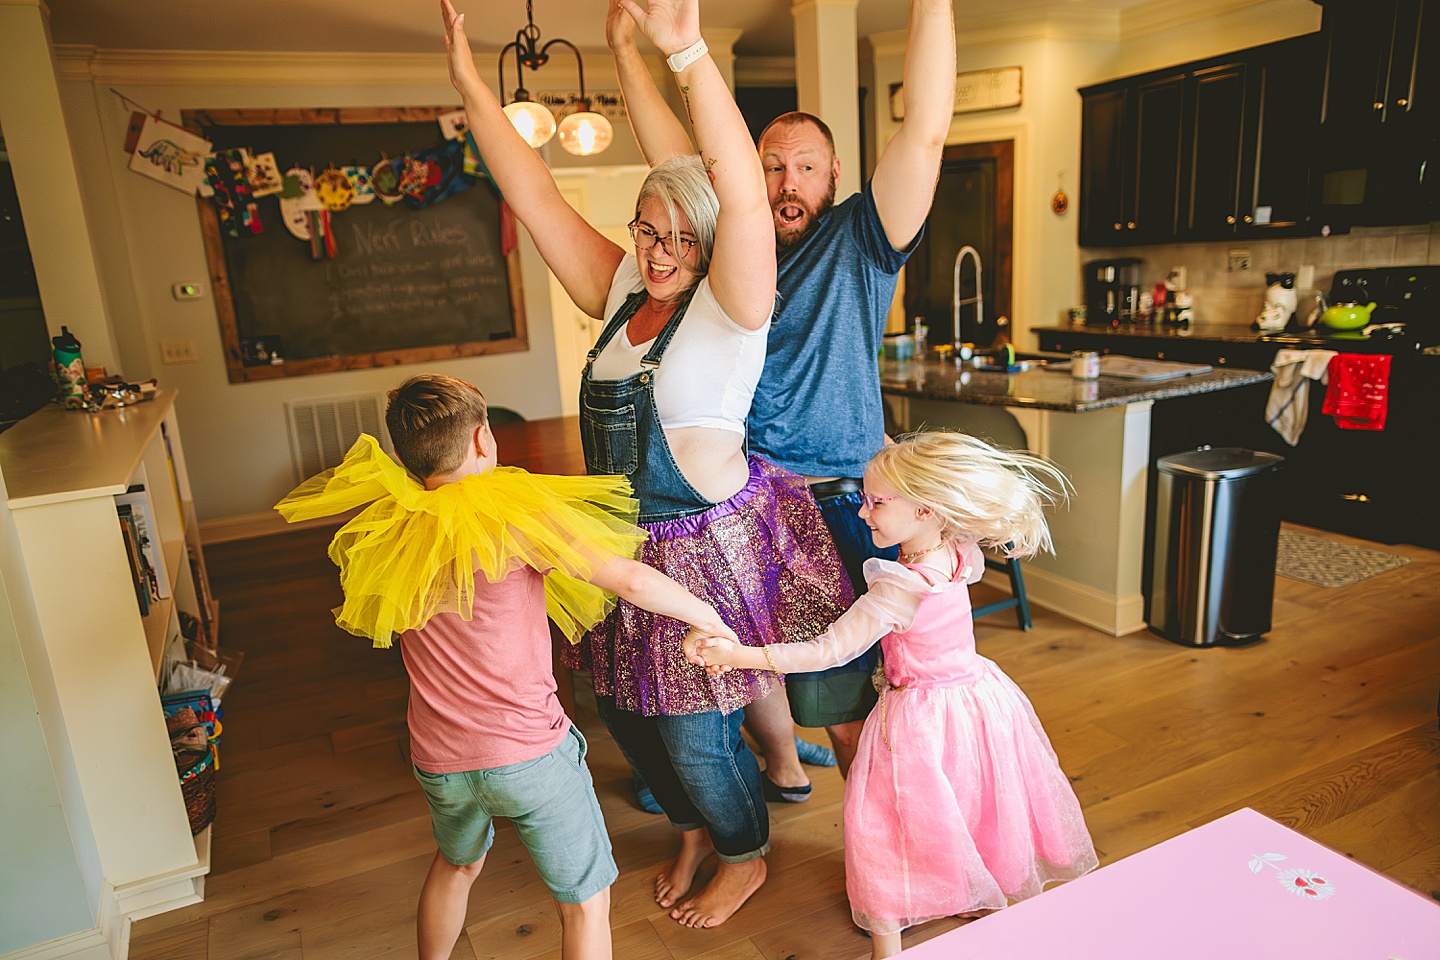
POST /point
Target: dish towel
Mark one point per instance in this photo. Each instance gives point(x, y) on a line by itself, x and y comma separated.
point(1289, 404)
point(1359, 392)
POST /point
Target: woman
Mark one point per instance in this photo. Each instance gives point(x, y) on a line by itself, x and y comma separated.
point(664, 402)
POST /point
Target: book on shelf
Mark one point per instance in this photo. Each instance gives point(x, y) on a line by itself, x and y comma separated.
point(138, 575)
point(137, 498)
point(174, 477)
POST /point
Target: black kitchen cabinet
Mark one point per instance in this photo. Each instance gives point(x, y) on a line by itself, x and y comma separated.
point(1380, 125)
point(1106, 169)
point(1210, 150)
point(1130, 169)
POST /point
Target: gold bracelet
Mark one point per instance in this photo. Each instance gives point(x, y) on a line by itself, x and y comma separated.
point(769, 659)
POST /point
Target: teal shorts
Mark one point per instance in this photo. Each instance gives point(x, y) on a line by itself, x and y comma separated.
point(551, 800)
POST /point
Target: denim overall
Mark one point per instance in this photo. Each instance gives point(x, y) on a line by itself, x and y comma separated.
point(620, 429)
point(697, 765)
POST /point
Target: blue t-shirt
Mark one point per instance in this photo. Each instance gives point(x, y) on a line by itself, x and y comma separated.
point(817, 409)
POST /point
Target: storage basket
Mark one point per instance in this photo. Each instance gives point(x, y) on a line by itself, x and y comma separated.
point(197, 786)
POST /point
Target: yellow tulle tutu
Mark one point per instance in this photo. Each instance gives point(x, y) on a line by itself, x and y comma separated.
point(414, 552)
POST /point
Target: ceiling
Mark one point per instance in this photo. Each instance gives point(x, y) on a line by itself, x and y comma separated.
point(413, 26)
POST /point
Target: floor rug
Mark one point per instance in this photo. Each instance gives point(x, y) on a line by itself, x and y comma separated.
point(1329, 563)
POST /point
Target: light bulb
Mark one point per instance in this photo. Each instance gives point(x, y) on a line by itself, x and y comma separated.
point(585, 133)
point(534, 123)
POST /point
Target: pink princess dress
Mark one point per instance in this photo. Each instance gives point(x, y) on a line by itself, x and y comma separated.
point(956, 801)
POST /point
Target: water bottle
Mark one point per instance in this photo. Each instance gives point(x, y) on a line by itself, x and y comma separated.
point(69, 368)
point(922, 331)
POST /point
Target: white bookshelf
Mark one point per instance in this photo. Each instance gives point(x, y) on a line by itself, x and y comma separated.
point(62, 470)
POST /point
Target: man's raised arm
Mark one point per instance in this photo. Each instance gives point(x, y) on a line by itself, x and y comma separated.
point(656, 128)
point(909, 166)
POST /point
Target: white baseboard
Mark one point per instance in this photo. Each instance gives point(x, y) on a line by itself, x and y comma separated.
point(1105, 612)
point(86, 945)
point(253, 525)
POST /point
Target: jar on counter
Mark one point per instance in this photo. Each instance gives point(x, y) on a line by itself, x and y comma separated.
point(1084, 364)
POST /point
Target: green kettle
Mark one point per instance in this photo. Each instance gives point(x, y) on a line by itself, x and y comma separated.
point(1347, 316)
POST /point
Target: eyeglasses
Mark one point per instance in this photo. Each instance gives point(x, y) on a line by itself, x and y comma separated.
point(869, 502)
point(646, 238)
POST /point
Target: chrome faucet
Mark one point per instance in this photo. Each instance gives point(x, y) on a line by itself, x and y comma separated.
point(978, 299)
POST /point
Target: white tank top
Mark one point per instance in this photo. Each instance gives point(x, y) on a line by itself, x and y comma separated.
point(708, 374)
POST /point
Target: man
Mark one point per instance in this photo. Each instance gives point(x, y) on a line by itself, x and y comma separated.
point(817, 410)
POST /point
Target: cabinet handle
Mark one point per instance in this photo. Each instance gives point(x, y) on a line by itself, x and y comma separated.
point(1130, 225)
point(1229, 219)
point(1159, 354)
point(1379, 105)
point(1117, 226)
point(1402, 102)
point(1220, 360)
point(1249, 219)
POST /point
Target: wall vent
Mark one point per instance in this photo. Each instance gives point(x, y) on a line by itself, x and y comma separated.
point(322, 430)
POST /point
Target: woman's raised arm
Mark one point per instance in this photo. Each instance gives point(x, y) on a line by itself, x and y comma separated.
point(742, 268)
point(581, 258)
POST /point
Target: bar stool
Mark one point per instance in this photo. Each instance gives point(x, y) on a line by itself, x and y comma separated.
point(1011, 568)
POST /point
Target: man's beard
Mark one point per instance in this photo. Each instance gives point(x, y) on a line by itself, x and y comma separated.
point(787, 237)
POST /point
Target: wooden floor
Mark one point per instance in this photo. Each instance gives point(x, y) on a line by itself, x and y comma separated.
point(322, 838)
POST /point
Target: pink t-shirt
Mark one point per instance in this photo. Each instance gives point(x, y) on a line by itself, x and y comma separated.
point(482, 692)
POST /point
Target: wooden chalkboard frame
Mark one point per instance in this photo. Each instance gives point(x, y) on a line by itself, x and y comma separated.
point(196, 121)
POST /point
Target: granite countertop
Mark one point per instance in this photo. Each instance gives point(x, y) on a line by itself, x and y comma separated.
point(1044, 389)
point(1197, 331)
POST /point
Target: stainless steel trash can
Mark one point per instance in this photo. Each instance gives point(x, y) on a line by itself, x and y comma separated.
point(1217, 525)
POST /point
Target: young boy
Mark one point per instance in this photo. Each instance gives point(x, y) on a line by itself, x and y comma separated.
point(487, 734)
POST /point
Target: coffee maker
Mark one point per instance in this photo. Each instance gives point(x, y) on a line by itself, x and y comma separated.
point(1112, 291)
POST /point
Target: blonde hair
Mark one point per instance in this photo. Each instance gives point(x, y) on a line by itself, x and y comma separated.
point(681, 183)
point(979, 492)
point(431, 420)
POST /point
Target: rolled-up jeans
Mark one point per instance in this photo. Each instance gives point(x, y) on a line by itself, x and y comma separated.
point(701, 772)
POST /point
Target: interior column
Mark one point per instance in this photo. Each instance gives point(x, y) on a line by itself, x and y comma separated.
point(827, 78)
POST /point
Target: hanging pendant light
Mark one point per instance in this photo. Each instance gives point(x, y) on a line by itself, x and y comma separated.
point(582, 132)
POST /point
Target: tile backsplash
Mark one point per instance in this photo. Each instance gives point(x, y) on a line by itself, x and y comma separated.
point(1223, 297)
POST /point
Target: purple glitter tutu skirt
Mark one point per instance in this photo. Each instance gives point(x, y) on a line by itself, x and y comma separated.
point(763, 558)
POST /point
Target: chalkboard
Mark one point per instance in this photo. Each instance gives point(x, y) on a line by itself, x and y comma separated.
point(404, 285)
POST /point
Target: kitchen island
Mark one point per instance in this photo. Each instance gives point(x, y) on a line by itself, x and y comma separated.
point(1097, 431)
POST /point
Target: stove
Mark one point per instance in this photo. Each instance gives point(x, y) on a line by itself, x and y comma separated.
point(1406, 318)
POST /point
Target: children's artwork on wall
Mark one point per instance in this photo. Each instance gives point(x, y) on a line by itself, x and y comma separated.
point(434, 174)
point(264, 175)
point(296, 200)
point(452, 125)
point(171, 155)
point(334, 189)
point(360, 178)
point(385, 181)
point(225, 172)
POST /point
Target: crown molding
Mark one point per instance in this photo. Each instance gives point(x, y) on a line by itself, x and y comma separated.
point(40, 4)
point(1168, 14)
point(764, 71)
point(274, 68)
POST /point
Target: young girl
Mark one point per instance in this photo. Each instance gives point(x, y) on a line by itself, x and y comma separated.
point(956, 802)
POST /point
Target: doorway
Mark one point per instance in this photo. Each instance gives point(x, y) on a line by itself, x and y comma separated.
point(974, 206)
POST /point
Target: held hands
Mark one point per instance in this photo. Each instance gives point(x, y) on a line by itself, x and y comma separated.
point(671, 25)
point(712, 649)
point(457, 47)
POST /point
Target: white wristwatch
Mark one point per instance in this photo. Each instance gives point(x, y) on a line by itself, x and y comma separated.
point(679, 61)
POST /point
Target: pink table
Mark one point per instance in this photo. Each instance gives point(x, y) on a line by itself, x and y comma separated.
point(1242, 886)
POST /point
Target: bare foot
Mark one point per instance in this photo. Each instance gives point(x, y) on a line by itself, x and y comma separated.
point(727, 892)
point(675, 882)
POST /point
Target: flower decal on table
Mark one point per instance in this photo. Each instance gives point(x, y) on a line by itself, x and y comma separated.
point(1305, 884)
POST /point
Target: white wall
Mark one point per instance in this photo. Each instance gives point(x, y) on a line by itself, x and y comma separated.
point(148, 238)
